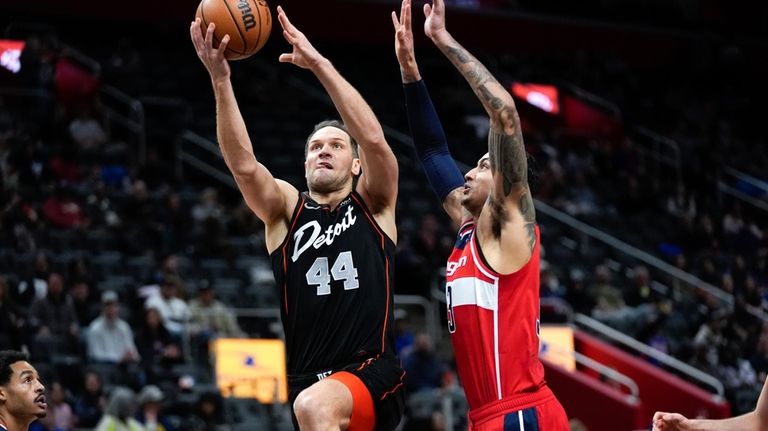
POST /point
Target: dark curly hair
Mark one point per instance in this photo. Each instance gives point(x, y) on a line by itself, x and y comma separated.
point(8, 358)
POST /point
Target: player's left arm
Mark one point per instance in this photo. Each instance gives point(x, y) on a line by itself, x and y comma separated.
point(378, 182)
point(508, 159)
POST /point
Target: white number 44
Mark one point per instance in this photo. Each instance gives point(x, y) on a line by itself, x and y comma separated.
point(343, 269)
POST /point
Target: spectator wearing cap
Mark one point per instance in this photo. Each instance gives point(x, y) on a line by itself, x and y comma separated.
point(173, 310)
point(110, 339)
point(210, 319)
point(150, 406)
point(208, 314)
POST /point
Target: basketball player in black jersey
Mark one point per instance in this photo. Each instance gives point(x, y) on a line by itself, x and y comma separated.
point(331, 247)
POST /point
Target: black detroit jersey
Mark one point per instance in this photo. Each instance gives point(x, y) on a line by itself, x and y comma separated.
point(334, 273)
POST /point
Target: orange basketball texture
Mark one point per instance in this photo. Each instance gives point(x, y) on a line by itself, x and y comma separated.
point(247, 22)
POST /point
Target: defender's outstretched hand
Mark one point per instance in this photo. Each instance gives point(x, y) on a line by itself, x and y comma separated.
point(404, 43)
point(304, 54)
point(212, 58)
point(434, 25)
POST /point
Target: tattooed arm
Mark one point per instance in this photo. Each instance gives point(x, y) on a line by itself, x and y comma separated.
point(505, 140)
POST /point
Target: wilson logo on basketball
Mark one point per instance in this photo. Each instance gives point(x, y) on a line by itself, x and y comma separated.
point(249, 21)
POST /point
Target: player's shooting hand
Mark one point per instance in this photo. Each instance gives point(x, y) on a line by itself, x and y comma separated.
point(304, 54)
point(669, 422)
point(212, 58)
point(404, 43)
point(434, 25)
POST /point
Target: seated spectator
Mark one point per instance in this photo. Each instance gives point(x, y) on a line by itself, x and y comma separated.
point(173, 310)
point(608, 297)
point(211, 316)
point(577, 295)
point(421, 364)
point(639, 291)
point(208, 413)
point(54, 317)
point(60, 416)
point(110, 338)
point(149, 414)
point(10, 320)
point(403, 334)
point(208, 207)
point(210, 319)
point(63, 211)
point(89, 406)
point(86, 309)
point(156, 346)
point(35, 286)
point(86, 131)
point(119, 412)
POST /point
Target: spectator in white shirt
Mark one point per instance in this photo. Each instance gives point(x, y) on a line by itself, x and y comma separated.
point(110, 338)
point(173, 310)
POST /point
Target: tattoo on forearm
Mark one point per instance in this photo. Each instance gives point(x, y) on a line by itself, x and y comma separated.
point(459, 53)
point(488, 95)
point(508, 159)
point(476, 74)
point(529, 215)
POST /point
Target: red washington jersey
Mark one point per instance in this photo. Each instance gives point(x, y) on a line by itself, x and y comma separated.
point(494, 323)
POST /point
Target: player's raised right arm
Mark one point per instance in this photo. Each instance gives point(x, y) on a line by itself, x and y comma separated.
point(270, 199)
point(427, 131)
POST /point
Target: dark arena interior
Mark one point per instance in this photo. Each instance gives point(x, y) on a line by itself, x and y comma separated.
point(648, 166)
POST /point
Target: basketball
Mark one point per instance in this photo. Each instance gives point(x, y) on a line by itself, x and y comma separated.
point(247, 22)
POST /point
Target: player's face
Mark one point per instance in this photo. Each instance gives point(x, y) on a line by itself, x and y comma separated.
point(24, 394)
point(330, 163)
point(477, 186)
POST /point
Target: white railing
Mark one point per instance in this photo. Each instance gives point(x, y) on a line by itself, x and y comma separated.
point(647, 350)
point(622, 247)
point(184, 156)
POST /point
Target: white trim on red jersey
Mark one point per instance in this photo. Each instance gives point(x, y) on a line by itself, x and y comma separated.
point(495, 292)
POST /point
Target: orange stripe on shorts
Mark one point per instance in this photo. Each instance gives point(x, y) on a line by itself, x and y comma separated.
point(363, 417)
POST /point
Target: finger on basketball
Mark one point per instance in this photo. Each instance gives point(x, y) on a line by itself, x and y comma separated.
point(223, 45)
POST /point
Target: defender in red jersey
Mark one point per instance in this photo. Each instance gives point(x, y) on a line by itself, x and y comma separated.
point(492, 276)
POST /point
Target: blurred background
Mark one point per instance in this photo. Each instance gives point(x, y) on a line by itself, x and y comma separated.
point(644, 120)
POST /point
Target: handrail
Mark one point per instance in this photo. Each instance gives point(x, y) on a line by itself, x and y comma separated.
point(137, 121)
point(638, 254)
point(26, 92)
point(208, 169)
point(205, 144)
point(645, 349)
point(738, 194)
point(592, 98)
point(758, 183)
point(674, 160)
point(201, 142)
point(79, 56)
point(601, 368)
point(430, 318)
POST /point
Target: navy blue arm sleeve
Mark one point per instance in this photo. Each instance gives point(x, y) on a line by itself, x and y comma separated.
point(429, 138)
